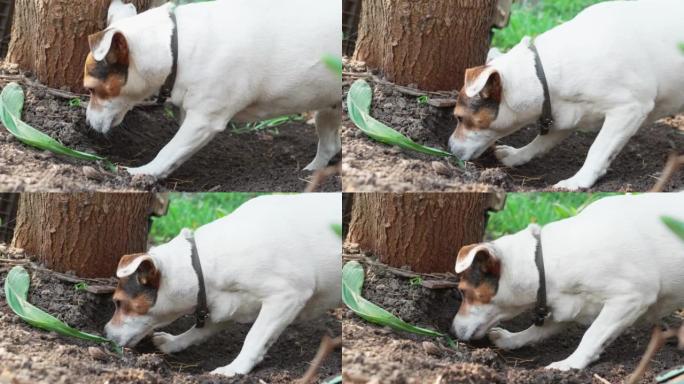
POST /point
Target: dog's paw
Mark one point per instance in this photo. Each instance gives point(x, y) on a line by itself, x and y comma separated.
point(563, 365)
point(509, 156)
point(224, 371)
point(572, 184)
point(142, 171)
point(165, 342)
point(501, 338)
point(316, 165)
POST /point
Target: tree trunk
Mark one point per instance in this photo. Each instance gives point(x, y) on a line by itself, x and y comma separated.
point(429, 43)
point(421, 230)
point(85, 233)
point(50, 37)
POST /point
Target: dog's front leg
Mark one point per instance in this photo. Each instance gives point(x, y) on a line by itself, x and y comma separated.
point(513, 157)
point(620, 125)
point(613, 319)
point(275, 315)
point(328, 127)
point(197, 130)
point(534, 334)
point(168, 343)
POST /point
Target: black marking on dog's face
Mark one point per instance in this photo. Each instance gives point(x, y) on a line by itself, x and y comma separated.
point(102, 69)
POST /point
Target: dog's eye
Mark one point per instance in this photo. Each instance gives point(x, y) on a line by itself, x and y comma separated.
point(117, 303)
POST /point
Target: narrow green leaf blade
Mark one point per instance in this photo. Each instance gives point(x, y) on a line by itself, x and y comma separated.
point(11, 104)
point(352, 282)
point(675, 225)
point(358, 109)
point(16, 294)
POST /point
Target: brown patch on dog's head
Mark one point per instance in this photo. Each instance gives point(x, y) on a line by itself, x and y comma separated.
point(477, 105)
point(479, 275)
point(136, 292)
point(106, 66)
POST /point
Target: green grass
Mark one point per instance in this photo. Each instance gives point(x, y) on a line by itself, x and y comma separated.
point(191, 210)
point(532, 21)
point(542, 208)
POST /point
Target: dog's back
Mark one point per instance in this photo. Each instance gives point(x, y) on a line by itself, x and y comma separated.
point(620, 245)
point(632, 48)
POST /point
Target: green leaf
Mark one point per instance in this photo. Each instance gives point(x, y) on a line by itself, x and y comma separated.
point(358, 106)
point(333, 63)
point(337, 228)
point(11, 104)
point(675, 225)
point(16, 294)
point(335, 380)
point(352, 282)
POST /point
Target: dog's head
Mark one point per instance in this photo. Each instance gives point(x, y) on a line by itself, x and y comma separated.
point(135, 298)
point(479, 271)
point(108, 72)
point(477, 110)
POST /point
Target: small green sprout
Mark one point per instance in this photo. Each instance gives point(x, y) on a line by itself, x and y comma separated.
point(422, 100)
point(75, 102)
point(416, 281)
point(82, 286)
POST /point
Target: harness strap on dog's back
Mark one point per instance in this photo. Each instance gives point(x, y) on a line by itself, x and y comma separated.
point(201, 310)
point(541, 310)
point(167, 88)
point(546, 119)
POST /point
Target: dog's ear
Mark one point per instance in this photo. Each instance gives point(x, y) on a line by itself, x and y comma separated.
point(469, 253)
point(118, 10)
point(143, 264)
point(111, 45)
point(483, 81)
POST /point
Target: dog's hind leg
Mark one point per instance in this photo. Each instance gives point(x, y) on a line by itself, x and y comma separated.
point(616, 316)
point(534, 334)
point(168, 343)
point(328, 123)
point(619, 126)
point(512, 157)
point(275, 315)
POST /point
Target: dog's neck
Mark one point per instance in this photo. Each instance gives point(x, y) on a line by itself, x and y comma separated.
point(523, 94)
point(149, 40)
point(519, 281)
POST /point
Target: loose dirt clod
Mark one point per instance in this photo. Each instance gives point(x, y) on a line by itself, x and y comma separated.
point(371, 166)
point(374, 353)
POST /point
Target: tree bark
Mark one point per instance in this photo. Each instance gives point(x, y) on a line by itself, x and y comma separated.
point(85, 233)
point(421, 230)
point(50, 37)
point(429, 43)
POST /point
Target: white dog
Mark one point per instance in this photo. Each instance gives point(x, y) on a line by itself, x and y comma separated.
point(616, 66)
point(221, 61)
point(612, 265)
point(273, 261)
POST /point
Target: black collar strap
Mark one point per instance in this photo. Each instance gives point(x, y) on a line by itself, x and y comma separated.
point(167, 88)
point(201, 310)
point(546, 120)
point(541, 310)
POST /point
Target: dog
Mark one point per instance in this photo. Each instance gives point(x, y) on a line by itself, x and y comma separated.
point(238, 60)
point(609, 267)
point(596, 79)
point(273, 261)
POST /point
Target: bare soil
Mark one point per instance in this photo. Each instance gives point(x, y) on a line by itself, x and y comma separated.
point(371, 166)
point(268, 160)
point(371, 352)
point(32, 356)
